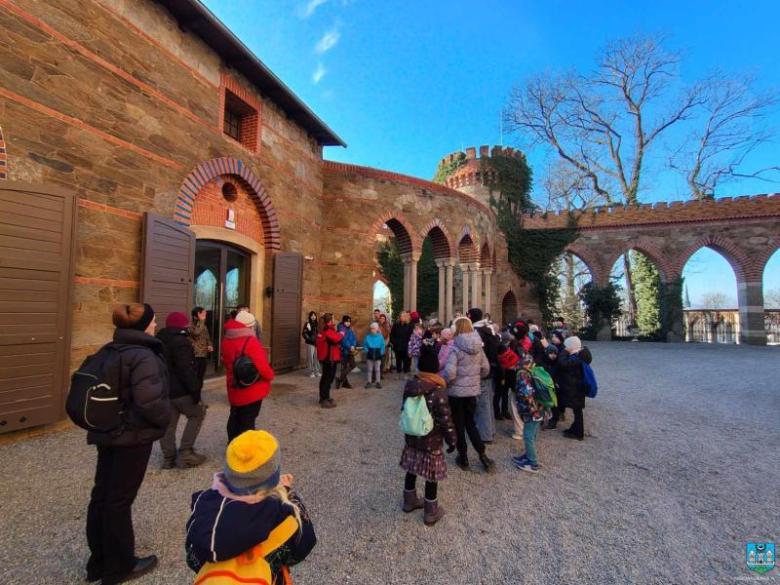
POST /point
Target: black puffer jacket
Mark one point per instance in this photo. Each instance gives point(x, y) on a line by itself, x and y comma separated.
point(434, 389)
point(400, 334)
point(144, 370)
point(180, 357)
point(569, 377)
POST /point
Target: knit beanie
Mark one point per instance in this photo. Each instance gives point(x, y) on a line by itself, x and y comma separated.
point(415, 316)
point(177, 320)
point(508, 359)
point(447, 334)
point(572, 344)
point(474, 314)
point(252, 463)
point(246, 318)
point(346, 318)
point(551, 349)
point(429, 359)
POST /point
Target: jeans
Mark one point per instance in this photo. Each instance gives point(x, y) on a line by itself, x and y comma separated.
point(375, 368)
point(530, 429)
point(402, 361)
point(516, 420)
point(328, 375)
point(195, 414)
point(485, 421)
point(314, 365)
point(501, 395)
point(118, 476)
point(242, 419)
point(347, 365)
point(415, 364)
point(462, 410)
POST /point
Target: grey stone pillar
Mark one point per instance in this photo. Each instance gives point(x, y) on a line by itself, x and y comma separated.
point(449, 309)
point(475, 278)
point(407, 283)
point(488, 299)
point(751, 312)
point(442, 286)
point(464, 269)
point(413, 287)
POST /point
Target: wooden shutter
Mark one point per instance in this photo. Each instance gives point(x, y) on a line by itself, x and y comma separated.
point(36, 277)
point(287, 298)
point(169, 267)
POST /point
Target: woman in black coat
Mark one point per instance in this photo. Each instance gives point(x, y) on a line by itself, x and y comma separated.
point(400, 334)
point(571, 390)
point(122, 458)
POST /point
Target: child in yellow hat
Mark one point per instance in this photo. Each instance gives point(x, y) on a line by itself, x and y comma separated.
point(250, 522)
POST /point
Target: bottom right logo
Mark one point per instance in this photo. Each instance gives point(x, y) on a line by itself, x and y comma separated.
point(760, 556)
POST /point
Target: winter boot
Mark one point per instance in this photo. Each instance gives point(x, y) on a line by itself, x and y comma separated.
point(433, 512)
point(346, 385)
point(490, 465)
point(462, 461)
point(190, 458)
point(168, 463)
point(412, 501)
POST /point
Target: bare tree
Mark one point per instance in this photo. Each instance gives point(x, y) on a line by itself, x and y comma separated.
point(731, 126)
point(772, 298)
point(716, 300)
point(566, 188)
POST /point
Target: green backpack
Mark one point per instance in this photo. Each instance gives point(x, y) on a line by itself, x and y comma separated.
point(415, 418)
point(544, 387)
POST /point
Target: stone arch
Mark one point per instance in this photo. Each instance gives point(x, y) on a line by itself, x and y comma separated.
point(590, 262)
point(205, 172)
point(485, 257)
point(468, 250)
point(664, 265)
point(759, 264)
point(3, 157)
point(738, 260)
point(440, 237)
point(510, 307)
point(405, 236)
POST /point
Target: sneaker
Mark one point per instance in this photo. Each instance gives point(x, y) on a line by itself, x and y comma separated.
point(168, 463)
point(312, 375)
point(517, 437)
point(526, 466)
point(519, 458)
point(462, 462)
point(328, 403)
point(190, 458)
point(368, 385)
point(378, 386)
point(347, 385)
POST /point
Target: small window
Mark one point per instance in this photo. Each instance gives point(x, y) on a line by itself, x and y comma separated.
point(240, 121)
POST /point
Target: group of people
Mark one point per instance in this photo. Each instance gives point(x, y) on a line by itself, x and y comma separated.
point(472, 375)
point(161, 379)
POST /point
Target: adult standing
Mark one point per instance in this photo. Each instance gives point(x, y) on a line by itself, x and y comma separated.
point(309, 335)
point(384, 329)
point(348, 348)
point(184, 394)
point(200, 338)
point(485, 419)
point(255, 324)
point(400, 334)
point(245, 402)
point(466, 365)
point(122, 458)
point(329, 354)
point(572, 391)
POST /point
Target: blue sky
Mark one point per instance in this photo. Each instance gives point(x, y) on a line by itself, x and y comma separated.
point(404, 84)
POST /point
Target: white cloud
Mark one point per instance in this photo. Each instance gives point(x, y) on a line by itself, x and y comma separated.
point(319, 73)
point(312, 5)
point(329, 40)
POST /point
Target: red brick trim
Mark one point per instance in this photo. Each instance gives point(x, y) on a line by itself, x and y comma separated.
point(3, 156)
point(734, 255)
point(485, 257)
point(405, 236)
point(205, 172)
point(109, 209)
point(440, 237)
point(336, 167)
point(759, 264)
point(252, 111)
point(108, 282)
point(468, 253)
point(665, 265)
point(590, 262)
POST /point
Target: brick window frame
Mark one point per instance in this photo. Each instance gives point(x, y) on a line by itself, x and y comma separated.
point(240, 114)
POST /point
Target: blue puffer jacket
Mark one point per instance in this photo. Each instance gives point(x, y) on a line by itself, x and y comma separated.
point(350, 339)
point(374, 346)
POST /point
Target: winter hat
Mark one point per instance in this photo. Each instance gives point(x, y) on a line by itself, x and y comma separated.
point(572, 344)
point(346, 318)
point(133, 316)
point(551, 348)
point(447, 334)
point(429, 360)
point(246, 318)
point(252, 463)
point(508, 359)
point(533, 328)
point(518, 330)
point(505, 337)
point(432, 322)
point(415, 316)
point(474, 314)
point(177, 320)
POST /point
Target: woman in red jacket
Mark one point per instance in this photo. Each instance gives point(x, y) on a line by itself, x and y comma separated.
point(245, 403)
point(329, 355)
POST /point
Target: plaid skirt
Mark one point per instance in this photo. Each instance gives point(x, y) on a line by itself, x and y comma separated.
point(430, 465)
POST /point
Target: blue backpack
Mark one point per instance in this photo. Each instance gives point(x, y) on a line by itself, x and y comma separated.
point(589, 381)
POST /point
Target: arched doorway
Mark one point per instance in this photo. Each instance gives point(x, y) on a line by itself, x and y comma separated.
point(508, 308)
point(710, 301)
point(222, 278)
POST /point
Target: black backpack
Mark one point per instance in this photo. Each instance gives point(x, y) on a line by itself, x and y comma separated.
point(96, 401)
point(244, 371)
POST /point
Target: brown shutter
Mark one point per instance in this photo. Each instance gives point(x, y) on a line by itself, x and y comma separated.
point(169, 267)
point(285, 338)
point(36, 278)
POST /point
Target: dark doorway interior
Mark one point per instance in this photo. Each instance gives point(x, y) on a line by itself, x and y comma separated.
point(221, 284)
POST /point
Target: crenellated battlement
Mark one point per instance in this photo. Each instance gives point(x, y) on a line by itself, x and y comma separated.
point(470, 173)
point(724, 208)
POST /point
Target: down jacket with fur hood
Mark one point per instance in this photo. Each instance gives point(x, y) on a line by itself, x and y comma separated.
point(466, 365)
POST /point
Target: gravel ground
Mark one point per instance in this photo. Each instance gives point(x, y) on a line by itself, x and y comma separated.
point(679, 471)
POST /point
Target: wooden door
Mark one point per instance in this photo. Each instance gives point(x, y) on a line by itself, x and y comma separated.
point(169, 267)
point(287, 299)
point(37, 227)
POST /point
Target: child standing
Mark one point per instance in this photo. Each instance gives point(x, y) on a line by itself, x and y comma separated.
point(509, 362)
point(423, 455)
point(374, 348)
point(532, 414)
point(250, 507)
point(415, 342)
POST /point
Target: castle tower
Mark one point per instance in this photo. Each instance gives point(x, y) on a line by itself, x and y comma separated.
point(466, 173)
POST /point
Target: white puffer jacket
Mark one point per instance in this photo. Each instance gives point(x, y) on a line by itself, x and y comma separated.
point(466, 366)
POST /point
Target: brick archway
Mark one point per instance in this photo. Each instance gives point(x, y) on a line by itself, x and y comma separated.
point(405, 236)
point(759, 264)
point(590, 262)
point(205, 172)
point(735, 256)
point(440, 237)
point(485, 257)
point(664, 265)
point(468, 248)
